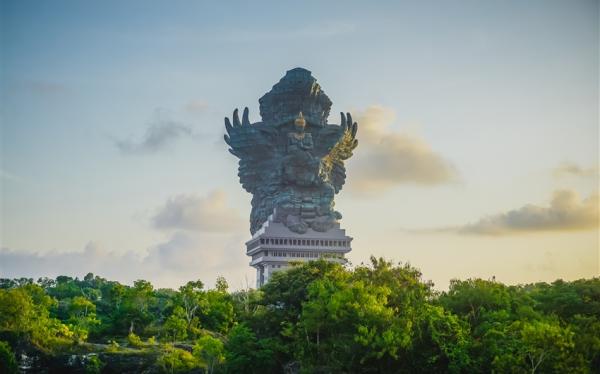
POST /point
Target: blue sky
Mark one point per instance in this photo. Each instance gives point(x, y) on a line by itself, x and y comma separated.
point(502, 94)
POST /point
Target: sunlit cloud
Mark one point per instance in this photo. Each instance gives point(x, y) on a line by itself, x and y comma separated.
point(572, 169)
point(387, 158)
point(566, 212)
point(209, 213)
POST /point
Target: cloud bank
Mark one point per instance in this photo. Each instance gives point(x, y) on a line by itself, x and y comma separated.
point(210, 213)
point(566, 212)
point(204, 239)
point(182, 257)
point(159, 135)
point(388, 158)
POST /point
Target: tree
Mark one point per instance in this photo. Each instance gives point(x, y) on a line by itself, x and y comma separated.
point(346, 325)
point(567, 299)
point(441, 343)
point(221, 284)
point(209, 350)
point(176, 326)
point(16, 310)
point(586, 329)
point(407, 290)
point(82, 314)
point(25, 315)
point(285, 292)
point(315, 317)
point(46, 282)
point(191, 299)
point(246, 303)
point(136, 306)
point(534, 346)
point(473, 297)
point(116, 295)
point(244, 353)
point(547, 346)
point(217, 313)
point(175, 360)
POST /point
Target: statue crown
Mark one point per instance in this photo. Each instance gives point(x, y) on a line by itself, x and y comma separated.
point(300, 120)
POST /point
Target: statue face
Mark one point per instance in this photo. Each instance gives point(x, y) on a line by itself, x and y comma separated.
point(299, 127)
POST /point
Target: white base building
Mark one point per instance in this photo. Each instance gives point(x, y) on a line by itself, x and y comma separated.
point(274, 246)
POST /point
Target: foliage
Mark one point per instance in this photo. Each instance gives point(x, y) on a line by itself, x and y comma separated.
point(94, 365)
point(113, 346)
point(218, 314)
point(246, 353)
point(176, 360)
point(315, 317)
point(209, 350)
point(8, 362)
point(135, 341)
point(25, 315)
point(175, 326)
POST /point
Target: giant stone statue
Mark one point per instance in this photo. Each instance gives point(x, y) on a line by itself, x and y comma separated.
point(292, 161)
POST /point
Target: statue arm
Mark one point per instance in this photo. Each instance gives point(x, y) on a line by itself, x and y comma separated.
point(336, 145)
point(308, 142)
point(253, 146)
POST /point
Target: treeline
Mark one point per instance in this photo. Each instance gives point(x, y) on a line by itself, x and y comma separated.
point(314, 318)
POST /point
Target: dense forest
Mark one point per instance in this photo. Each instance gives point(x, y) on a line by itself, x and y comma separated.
point(318, 317)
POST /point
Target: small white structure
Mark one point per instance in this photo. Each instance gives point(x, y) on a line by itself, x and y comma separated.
point(274, 246)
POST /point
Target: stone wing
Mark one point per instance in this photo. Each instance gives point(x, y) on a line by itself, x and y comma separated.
point(335, 145)
point(253, 144)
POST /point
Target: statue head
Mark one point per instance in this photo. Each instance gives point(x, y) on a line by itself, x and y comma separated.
point(300, 123)
point(297, 91)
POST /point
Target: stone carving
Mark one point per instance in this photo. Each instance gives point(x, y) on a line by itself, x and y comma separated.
point(292, 161)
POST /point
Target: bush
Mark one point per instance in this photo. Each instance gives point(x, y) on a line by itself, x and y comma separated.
point(94, 365)
point(8, 362)
point(175, 360)
point(135, 341)
point(113, 346)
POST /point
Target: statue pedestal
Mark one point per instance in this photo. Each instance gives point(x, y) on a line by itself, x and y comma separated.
point(274, 246)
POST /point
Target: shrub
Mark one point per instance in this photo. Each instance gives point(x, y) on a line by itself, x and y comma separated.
point(175, 360)
point(8, 362)
point(135, 340)
point(113, 346)
point(93, 365)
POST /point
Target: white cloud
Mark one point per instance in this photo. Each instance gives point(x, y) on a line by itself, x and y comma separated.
point(93, 258)
point(210, 213)
point(386, 158)
point(183, 257)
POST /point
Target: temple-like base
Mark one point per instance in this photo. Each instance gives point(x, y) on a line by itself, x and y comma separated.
point(274, 246)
